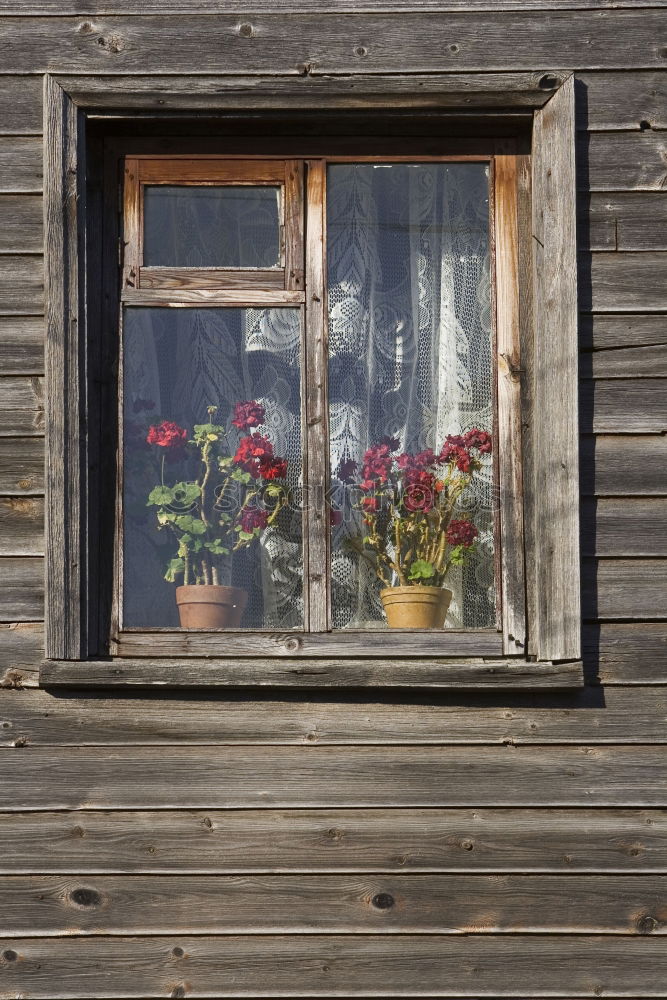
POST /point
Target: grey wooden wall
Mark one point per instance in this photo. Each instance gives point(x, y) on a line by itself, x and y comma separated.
point(504, 846)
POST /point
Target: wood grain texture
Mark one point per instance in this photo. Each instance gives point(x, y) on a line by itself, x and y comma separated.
point(21, 651)
point(622, 100)
point(617, 465)
point(412, 42)
point(335, 840)
point(622, 161)
point(317, 965)
point(448, 90)
point(21, 285)
point(237, 777)
point(21, 223)
point(22, 592)
point(623, 406)
point(629, 362)
point(332, 904)
point(21, 526)
point(21, 406)
point(624, 527)
point(80, 718)
point(604, 331)
point(21, 345)
point(623, 282)
point(21, 105)
point(624, 221)
point(555, 628)
point(65, 514)
point(21, 466)
point(628, 653)
point(340, 672)
point(53, 7)
point(21, 164)
point(625, 588)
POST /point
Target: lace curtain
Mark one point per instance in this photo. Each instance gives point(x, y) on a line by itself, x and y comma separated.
point(410, 345)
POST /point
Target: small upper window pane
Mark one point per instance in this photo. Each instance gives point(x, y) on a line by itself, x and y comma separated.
point(211, 226)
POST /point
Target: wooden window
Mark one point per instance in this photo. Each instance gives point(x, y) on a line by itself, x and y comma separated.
point(410, 295)
point(293, 275)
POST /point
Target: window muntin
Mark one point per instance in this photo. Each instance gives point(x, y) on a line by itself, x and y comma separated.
point(211, 288)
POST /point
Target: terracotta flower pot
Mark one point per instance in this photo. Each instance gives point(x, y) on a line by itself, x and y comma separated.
point(210, 606)
point(415, 607)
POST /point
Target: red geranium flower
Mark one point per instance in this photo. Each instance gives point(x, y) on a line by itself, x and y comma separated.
point(370, 504)
point(251, 518)
point(481, 440)
point(461, 532)
point(377, 463)
point(273, 468)
point(347, 470)
point(248, 414)
point(167, 435)
point(454, 450)
point(251, 451)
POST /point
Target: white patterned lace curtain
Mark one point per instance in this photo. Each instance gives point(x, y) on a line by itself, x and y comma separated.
point(410, 345)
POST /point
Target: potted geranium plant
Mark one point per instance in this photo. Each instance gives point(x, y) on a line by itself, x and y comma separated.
point(412, 537)
point(235, 493)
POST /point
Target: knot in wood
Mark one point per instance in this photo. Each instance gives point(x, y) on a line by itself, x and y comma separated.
point(383, 901)
point(246, 30)
point(85, 897)
point(9, 955)
point(647, 924)
point(177, 952)
point(548, 82)
point(467, 845)
point(86, 28)
point(454, 49)
point(361, 51)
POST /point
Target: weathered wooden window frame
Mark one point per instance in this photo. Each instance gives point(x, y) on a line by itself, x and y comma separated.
point(536, 322)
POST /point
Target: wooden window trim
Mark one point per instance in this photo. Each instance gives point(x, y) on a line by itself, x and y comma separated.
point(552, 563)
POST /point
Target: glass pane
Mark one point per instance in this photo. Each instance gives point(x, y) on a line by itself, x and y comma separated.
point(410, 363)
point(235, 524)
point(207, 226)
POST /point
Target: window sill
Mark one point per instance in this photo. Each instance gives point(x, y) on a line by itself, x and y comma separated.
point(312, 673)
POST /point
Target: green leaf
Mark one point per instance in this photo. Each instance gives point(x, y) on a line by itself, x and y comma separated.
point(216, 547)
point(240, 476)
point(457, 555)
point(247, 536)
point(273, 490)
point(421, 570)
point(187, 522)
point(174, 567)
point(159, 496)
point(186, 492)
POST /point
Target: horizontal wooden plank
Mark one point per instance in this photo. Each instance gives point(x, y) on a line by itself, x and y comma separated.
point(627, 220)
point(20, 163)
point(620, 715)
point(621, 161)
point(309, 673)
point(21, 285)
point(622, 100)
point(21, 526)
point(604, 331)
point(626, 653)
point(619, 465)
point(623, 282)
point(335, 840)
point(625, 362)
point(21, 223)
point(53, 7)
point(21, 466)
point(21, 406)
point(21, 650)
point(359, 43)
point(236, 777)
point(623, 406)
point(21, 105)
point(331, 904)
point(22, 342)
point(624, 588)
point(22, 591)
point(626, 527)
point(317, 965)
point(449, 90)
